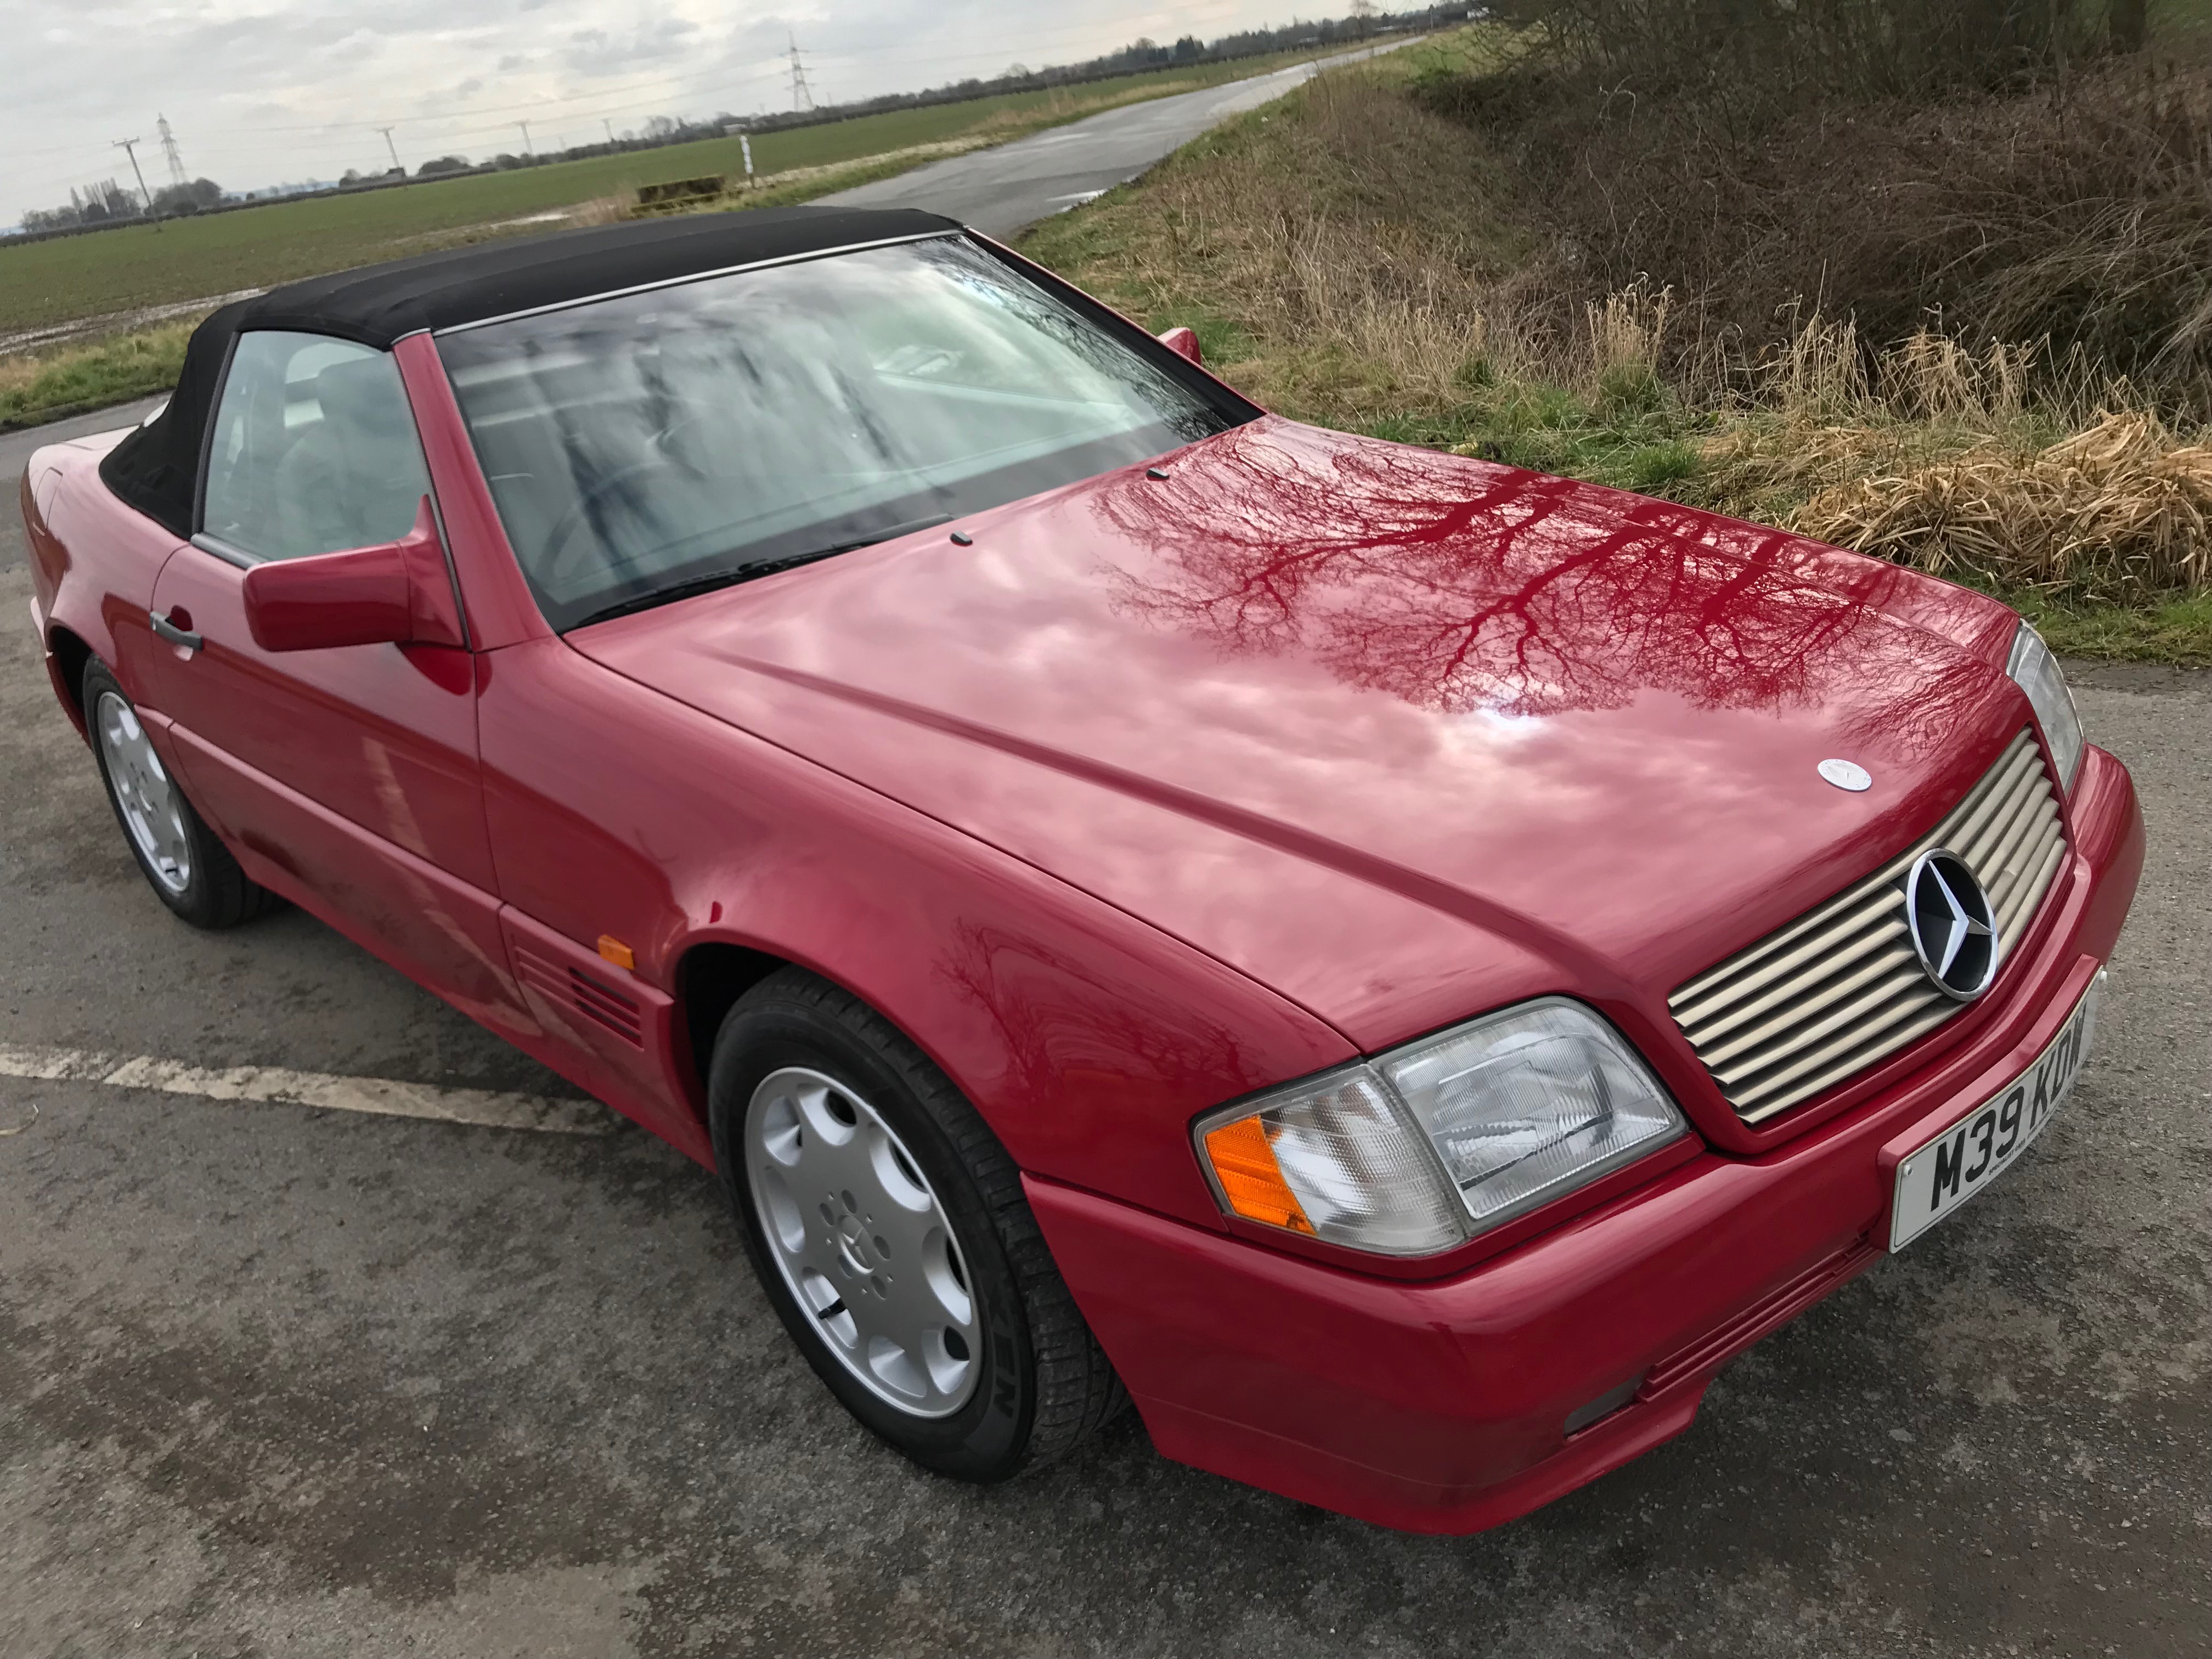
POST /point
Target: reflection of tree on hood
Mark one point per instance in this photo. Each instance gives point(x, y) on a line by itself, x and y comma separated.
point(1457, 585)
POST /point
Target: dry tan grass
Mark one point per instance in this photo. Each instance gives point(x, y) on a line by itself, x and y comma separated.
point(16, 375)
point(1628, 330)
point(1357, 288)
point(1971, 463)
point(2118, 511)
point(1819, 411)
point(602, 210)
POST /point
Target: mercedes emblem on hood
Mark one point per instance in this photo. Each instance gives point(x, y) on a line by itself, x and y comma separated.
point(1953, 930)
point(1846, 774)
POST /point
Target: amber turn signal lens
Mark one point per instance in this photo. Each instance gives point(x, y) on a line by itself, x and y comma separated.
point(616, 952)
point(1251, 1181)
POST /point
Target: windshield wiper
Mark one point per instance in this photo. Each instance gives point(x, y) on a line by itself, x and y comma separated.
point(745, 573)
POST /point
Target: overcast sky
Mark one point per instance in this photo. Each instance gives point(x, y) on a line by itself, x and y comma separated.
point(262, 91)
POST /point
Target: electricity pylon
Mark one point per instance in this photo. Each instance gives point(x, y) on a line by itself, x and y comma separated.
point(802, 96)
point(177, 173)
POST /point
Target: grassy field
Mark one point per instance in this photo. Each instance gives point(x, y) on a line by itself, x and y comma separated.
point(1354, 261)
point(77, 276)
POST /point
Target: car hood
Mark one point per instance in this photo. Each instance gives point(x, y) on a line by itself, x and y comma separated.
point(1402, 734)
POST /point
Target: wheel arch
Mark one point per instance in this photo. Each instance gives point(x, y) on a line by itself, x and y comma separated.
point(710, 976)
point(72, 652)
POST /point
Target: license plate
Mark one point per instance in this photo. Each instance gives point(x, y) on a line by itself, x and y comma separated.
point(1942, 1174)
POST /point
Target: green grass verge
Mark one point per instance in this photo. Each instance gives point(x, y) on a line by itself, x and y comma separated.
point(77, 276)
point(76, 381)
point(2176, 631)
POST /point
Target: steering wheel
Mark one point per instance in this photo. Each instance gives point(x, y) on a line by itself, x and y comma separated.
point(553, 550)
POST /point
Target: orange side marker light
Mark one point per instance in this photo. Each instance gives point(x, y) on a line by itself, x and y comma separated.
point(1251, 1180)
point(616, 952)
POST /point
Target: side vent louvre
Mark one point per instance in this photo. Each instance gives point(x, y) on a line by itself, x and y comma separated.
point(587, 994)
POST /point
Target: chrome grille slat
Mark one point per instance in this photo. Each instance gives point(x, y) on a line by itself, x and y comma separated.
point(1991, 797)
point(2032, 843)
point(1848, 1065)
point(1816, 938)
point(2029, 837)
point(1991, 850)
point(1790, 1079)
point(2016, 914)
point(1843, 953)
point(1788, 1031)
point(1867, 1011)
point(1984, 846)
point(2012, 902)
point(1820, 1000)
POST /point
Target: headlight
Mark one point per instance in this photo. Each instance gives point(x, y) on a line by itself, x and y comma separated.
point(2037, 672)
point(1429, 1145)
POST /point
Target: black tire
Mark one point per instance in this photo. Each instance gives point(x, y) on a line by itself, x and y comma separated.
point(1045, 1385)
point(216, 893)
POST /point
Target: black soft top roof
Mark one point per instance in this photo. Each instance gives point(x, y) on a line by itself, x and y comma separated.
point(156, 469)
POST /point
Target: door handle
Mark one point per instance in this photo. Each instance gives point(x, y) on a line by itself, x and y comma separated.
point(175, 636)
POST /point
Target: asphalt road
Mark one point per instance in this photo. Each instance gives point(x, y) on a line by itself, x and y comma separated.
point(288, 1382)
point(1000, 190)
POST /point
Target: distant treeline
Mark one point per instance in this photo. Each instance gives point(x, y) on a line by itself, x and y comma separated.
point(99, 204)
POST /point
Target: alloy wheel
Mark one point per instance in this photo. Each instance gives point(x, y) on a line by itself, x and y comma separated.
point(150, 807)
point(862, 1241)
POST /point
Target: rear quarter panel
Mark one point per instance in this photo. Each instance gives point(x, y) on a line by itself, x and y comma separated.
point(93, 560)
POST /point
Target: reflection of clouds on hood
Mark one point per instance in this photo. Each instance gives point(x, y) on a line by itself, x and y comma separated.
point(1460, 588)
point(293, 89)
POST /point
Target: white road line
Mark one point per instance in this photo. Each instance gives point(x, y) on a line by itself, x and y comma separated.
point(279, 1085)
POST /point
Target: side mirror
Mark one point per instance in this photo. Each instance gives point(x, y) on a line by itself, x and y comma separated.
point(393, 593)
point(1182, 343)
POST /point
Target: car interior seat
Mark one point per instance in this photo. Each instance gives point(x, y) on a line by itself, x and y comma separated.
point(355, 476)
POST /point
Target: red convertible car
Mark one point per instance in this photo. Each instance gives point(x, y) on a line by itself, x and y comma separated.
point(1397, 966)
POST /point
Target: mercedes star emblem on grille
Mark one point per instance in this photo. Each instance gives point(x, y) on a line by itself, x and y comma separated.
point(1846, 774)
point(1954, 932)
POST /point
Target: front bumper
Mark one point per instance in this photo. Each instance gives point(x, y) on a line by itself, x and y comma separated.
point(1443, 1406)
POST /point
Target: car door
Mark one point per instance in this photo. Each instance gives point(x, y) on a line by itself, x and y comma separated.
point(346, 779)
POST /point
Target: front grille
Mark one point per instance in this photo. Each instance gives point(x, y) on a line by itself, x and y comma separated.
point(1821, 1000)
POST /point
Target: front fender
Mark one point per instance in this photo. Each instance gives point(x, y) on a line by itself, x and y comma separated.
point(1087, 1039)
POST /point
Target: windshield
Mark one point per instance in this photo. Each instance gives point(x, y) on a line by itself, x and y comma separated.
point(659, 442)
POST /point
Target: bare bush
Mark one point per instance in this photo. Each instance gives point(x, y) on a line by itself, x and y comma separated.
point(1748, 60)
point(1992, 184)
